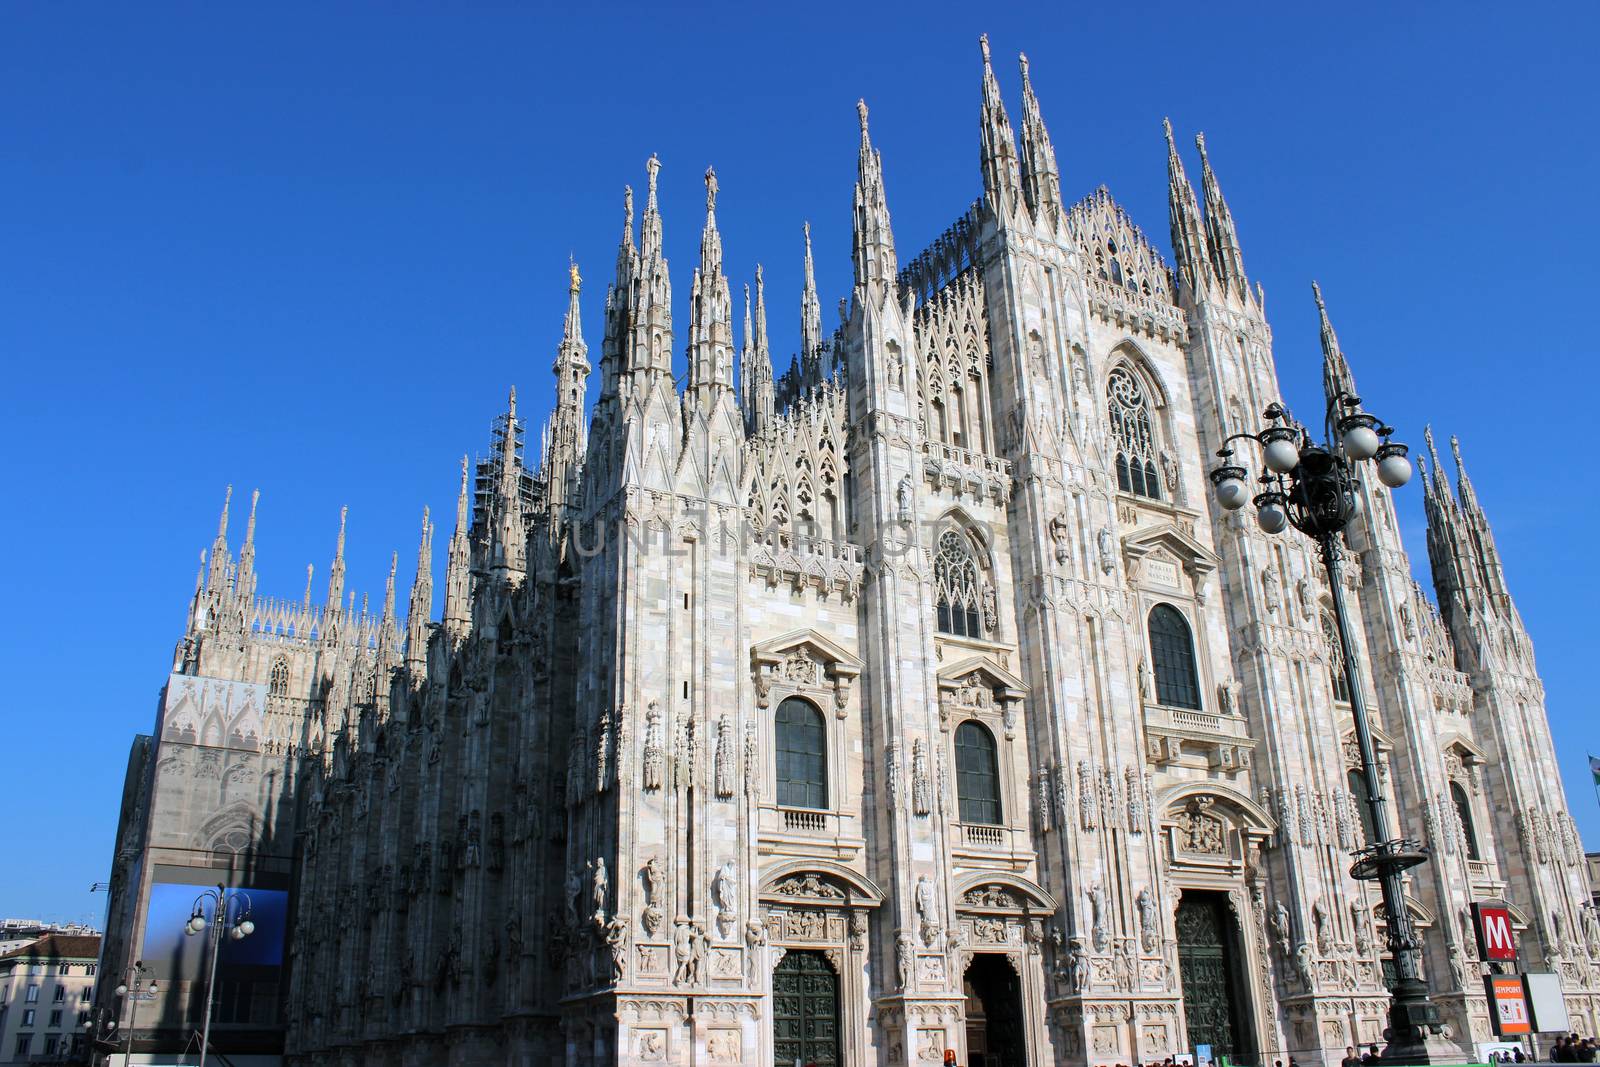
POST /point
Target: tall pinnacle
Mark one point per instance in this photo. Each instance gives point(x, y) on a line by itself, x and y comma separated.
point(648, 297)
point(1222, 235)
point(420, 609)
point(1188, 230)
point(458, 567)
point(710, 311)
point(810, 306)
point(218, 579)
point(1041, 180)
point(875, 262)
point(245, 585)
point(336, 572)
point(565, 432)
point(1002, 184)
point(757, 393)
point(1336, 376)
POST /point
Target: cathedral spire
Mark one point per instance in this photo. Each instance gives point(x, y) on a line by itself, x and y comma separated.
point(420, 610)
point(1222, 235)
point(757, 362)
point(1041, 180)
point(1002, 184)
point(875, 262)
point(245, 583)
point(710, 312)
point(1188, 231)
point(508, 547)
point(619, 297)
point(810, 306)
point(1336, 376)
point(336, 572)
point(649, 312)
point(565, 434)
point(386, 626)
point(458, 568)
point(217, 582)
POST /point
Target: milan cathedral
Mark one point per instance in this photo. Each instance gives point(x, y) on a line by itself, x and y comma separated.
point(916, 698)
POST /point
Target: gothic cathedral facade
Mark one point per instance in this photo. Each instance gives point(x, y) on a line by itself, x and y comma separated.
point(918, 698)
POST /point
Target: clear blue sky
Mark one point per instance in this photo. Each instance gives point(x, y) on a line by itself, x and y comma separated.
point(309, 251)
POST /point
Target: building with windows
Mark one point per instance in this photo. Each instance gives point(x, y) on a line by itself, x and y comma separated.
point(918, 698)
point(15, 933)
point(46, 992)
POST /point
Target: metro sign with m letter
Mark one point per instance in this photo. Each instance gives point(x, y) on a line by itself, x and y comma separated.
point(1494, 933)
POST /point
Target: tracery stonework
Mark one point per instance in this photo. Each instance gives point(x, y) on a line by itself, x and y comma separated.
point(841, 680)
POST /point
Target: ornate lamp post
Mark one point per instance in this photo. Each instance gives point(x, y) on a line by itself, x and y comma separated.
point(1312, 487)
point(242, 926)
point(140, 987)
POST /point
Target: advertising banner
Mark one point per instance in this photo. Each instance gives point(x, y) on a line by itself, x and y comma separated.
point(1546, 1002)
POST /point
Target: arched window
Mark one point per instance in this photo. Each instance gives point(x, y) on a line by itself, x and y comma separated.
point(1172, 654)
point(1358, 785)
point(1464, 812)
point(278, 679)
point(977, 774)
point(959, 592)
point(1128, 406)
point(802, 755)
point(1341, 685)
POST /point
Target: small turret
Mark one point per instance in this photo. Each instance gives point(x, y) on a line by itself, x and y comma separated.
point(650, 310)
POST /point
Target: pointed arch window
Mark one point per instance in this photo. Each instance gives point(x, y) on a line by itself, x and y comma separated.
point(1129, 409)
point(977, 774)
point(1172, 655)
point(278, 678)
point(958, 587)
point(1336, 675)
point(1469, 829)
point(802, 751)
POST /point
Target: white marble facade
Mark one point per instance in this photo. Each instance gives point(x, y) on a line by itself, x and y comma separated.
point(558, 826)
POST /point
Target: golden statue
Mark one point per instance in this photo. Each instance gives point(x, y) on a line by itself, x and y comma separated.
point(577, 281)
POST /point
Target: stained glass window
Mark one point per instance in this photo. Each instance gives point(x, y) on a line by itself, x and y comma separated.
point(958, 589)
point(802, 755)
point(977, 774)
point(1172, 654)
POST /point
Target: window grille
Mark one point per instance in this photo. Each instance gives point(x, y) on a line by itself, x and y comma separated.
point(977, 774)
point(959, 591)
point(1128, 407)
point(1172, 655)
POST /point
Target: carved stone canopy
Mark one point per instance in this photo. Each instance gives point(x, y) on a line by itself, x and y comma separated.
point(803, 662)
point(1198, 562)
point(977, 684)
point(818, 883)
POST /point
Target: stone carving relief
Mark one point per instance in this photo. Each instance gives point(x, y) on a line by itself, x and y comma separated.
point(654, 753)
point(1198, 831)
point(927, 910)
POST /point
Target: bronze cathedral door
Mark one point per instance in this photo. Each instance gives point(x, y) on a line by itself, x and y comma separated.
point(1211, 971)
point(805, 1011)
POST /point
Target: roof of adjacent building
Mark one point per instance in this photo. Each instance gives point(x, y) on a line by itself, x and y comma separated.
point(58, 947)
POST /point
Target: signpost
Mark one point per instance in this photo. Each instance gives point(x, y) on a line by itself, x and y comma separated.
point(1495, 940)
point(1509, 1011)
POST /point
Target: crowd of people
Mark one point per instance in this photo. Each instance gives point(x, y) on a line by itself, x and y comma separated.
point(1573, 1049)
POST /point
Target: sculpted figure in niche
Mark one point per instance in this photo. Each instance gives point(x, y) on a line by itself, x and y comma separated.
point(1271, 589)
point(904, 957)
point(1149, 927)
point(1080, 972)
point(1303, 964)
point(927, 910)
point(1099, 911)
point(1280, 927)
point(602, 887)
point(755, 938)
point(574, 895)
point(724, 892)
point(1060, 535)
point(1108, 559)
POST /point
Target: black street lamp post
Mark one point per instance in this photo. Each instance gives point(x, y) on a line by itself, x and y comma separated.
point(216, 927)
point(1312, 487)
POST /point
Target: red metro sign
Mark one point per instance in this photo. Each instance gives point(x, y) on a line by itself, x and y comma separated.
point(1495, 940)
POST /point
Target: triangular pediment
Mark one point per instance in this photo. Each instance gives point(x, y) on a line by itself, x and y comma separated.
point(992, 674)
point(839, 660)
point(1193, 555)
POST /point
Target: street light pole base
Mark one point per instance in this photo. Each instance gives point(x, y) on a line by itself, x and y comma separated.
point(1429, 1049)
